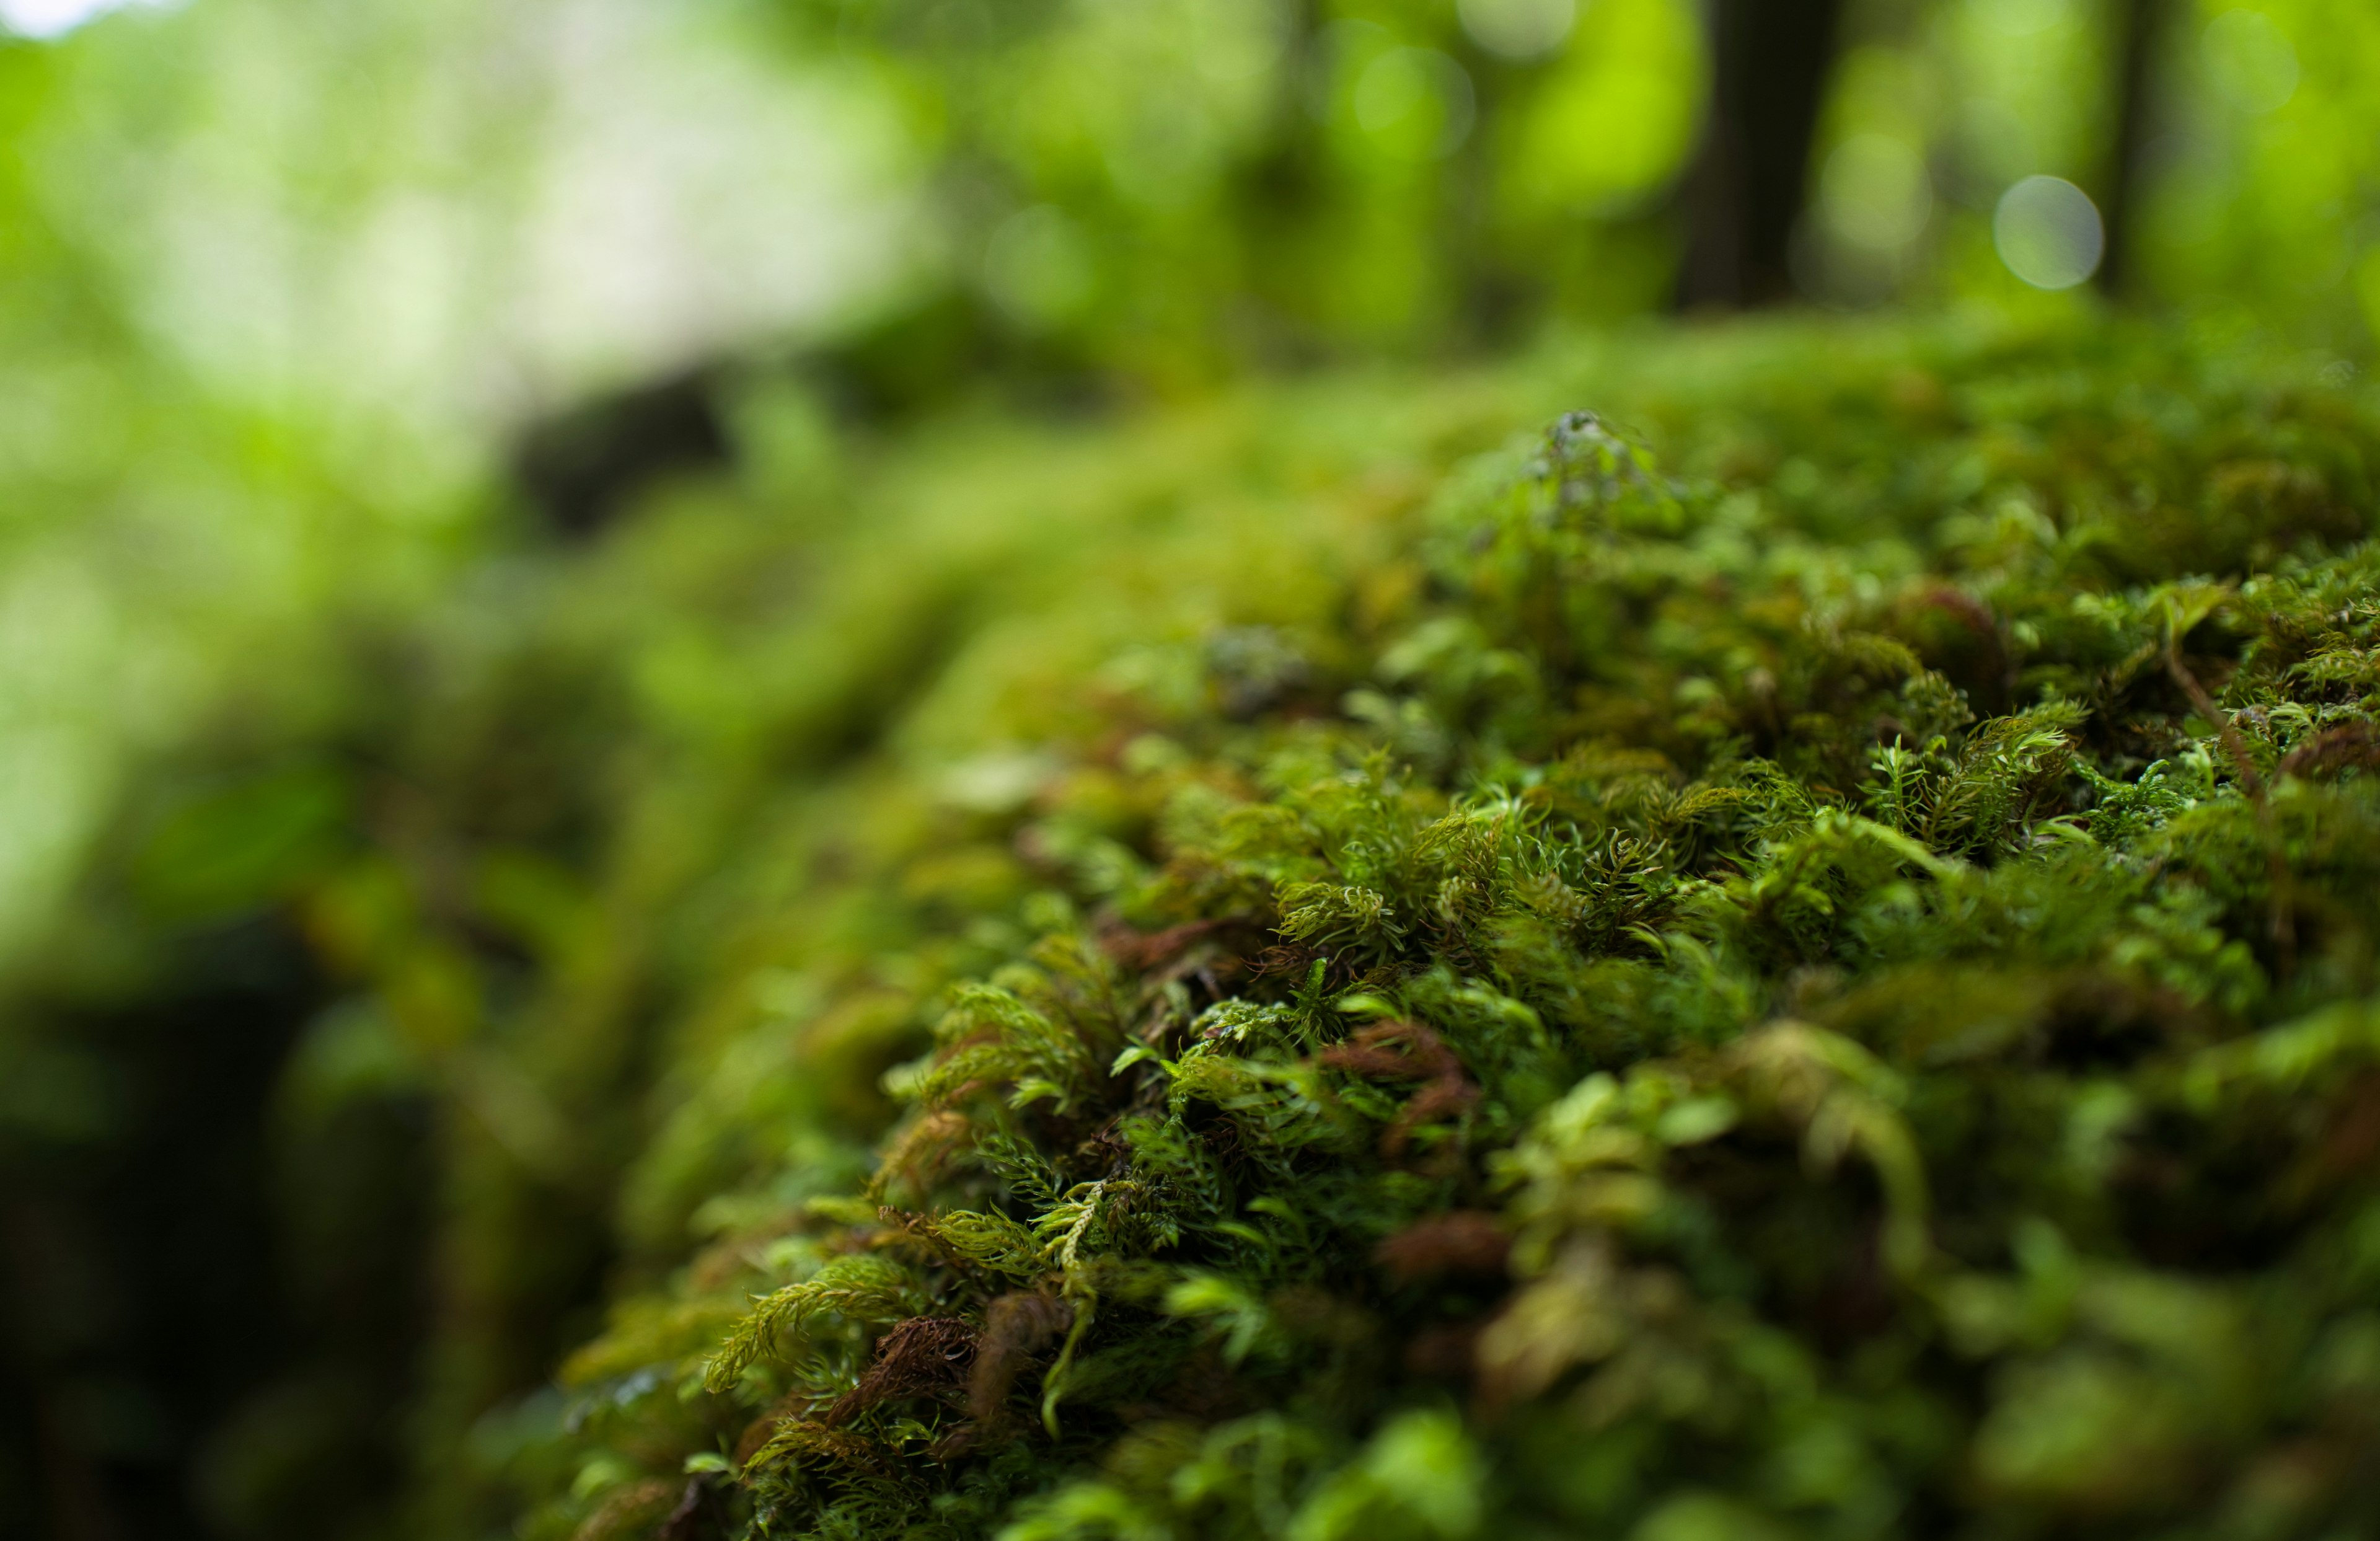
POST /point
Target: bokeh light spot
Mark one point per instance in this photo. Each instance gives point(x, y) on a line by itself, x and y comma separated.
point(1876, 191)
point(1038, 266)
point(1519, 29)
point(1231, 43)
point(2251, 59)
point(1416, 101)
point(2018, 19)
point(2048, 233)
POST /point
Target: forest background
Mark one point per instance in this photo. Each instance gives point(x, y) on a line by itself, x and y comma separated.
point(315, 318)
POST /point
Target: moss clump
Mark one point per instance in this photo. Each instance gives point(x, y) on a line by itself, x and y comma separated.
point(1826, 992)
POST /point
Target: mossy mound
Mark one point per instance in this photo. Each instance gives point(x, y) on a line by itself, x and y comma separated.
point(1272, 967)
point(1828, 993)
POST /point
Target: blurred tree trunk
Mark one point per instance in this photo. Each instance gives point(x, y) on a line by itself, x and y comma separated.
point(2139, 29)
point(1770, 64)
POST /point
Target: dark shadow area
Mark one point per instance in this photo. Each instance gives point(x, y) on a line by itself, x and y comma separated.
point(164, 1287)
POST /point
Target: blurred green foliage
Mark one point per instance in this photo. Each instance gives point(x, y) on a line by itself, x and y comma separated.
point(278, 280)
point(2256, 173)
point(1173, 190)
point(573, 904)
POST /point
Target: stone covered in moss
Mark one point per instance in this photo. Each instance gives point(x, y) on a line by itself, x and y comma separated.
point(1822, 987)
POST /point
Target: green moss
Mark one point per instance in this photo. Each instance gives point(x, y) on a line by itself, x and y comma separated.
point(1794, 959)
point(1820, 985)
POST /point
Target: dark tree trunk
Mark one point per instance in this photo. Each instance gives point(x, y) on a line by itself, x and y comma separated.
point(579, 469)
point(1771, 60)
point(2138, 32)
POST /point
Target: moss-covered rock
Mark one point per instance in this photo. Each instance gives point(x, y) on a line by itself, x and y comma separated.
point(1792, 959)
point(1819, 984)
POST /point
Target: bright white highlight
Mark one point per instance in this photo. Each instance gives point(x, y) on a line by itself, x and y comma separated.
point(49, 18)
point(2048, 233)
